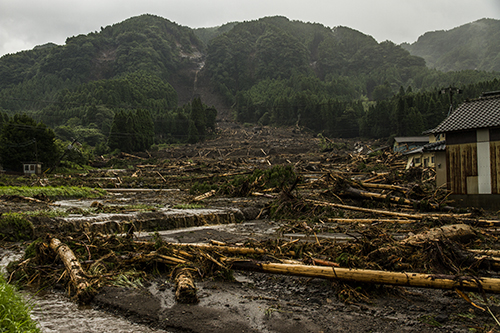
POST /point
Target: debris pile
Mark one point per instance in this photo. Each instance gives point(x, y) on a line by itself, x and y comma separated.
point(351, 218)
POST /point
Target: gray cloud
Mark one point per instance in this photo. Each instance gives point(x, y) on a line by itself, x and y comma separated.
point(27, 23)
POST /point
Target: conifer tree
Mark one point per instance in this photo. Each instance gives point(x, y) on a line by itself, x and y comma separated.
point(24, 140)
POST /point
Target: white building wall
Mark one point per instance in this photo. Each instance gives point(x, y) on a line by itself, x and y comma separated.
point(483, 161)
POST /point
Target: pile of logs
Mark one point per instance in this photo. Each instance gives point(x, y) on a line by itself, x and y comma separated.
point(189, 261)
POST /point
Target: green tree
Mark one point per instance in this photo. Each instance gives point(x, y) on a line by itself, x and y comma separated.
point(24, 140)
point(131, 131)
point(198, 117)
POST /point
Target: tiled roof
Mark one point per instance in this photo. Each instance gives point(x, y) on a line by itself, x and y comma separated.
point(435, 146)
point(417, 150)
point(483, 112)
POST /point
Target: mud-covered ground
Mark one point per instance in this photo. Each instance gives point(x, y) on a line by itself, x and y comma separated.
point(252, 301)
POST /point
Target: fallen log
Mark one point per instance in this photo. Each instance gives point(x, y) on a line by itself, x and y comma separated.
point(366, 210)
point(482, 223)
point(74, 269)
point(376, 177)
point(343, 220)
point(459, 232)
point(371, 195)
point(122, 154)
point(386, 212)
point(435, 281)
point(265, 195)
point(204, 196)
point(185, 291)
point(227, 249)
point(321, 262)
point(495, 253)
point(394, 199)
point(163, 178)
point(385, 187)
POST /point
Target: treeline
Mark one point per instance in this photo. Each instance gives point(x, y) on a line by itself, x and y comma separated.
point(130, 113)
point(409, 113)
point(307, 101)
point(22, 140)
point(138, 130)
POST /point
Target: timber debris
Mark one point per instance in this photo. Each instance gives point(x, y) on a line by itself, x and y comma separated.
point(398, 228)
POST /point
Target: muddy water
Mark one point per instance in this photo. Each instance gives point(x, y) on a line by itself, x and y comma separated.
point(56, 313)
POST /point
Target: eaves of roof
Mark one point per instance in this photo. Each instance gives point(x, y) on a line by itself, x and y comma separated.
point(401, 139)
point(483, 112)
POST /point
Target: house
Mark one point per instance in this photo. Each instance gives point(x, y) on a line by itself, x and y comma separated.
point(406, 143)
point(473, 151)
point(32, 168)
point(421, 150)
point(436, 151)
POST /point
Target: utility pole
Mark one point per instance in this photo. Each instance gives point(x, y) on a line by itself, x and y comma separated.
point(36, 151)
point(451, 91)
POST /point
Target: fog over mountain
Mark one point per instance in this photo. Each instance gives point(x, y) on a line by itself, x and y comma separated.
point(25, 24)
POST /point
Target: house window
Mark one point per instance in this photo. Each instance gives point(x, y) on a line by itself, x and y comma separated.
point(32, 167)
point(432, 159)
point(27, 167)
point(417, 160)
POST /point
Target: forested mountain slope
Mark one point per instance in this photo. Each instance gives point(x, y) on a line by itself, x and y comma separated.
point(474, 45)
point(276, 48)
point(147, 80)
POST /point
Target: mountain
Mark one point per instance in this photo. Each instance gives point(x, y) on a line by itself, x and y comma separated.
point(269, 71)
point(474, 45)
point(277, 48)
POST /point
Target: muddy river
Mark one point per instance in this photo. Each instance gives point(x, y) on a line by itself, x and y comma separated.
point(55, 312)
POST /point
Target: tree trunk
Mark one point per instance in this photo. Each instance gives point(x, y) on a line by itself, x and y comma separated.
point(370, 195)
point(372, 276)
point(461, 232)
point(366, 210)
point(227, 249)
point(385, 212)
point(74, 269)
point(342, 220)
point(185, 291)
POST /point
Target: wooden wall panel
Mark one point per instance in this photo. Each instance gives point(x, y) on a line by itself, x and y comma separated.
point(462, 163)
point(495, 167)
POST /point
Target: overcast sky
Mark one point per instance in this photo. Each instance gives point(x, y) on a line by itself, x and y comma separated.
point(27, 23)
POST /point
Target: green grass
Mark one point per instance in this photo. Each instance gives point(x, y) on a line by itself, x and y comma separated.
point(46, 213)
point(52, 192)
point(15, 227)
point(14, 313)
